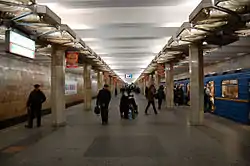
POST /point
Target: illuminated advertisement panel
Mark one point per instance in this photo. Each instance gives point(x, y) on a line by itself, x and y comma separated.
point(20, 45)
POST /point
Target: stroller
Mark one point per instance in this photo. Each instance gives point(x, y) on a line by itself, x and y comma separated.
point(133, 107)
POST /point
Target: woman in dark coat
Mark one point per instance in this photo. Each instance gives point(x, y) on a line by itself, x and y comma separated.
point(124, 105)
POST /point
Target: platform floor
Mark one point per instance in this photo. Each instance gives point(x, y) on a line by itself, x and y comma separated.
point(165, 139)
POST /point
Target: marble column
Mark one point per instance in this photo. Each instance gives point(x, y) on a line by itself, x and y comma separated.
point(157, 80)
point(99, 80)
point(151, 80)
point(111, 85)
point(196, 85)
point(58, 86)
point(87, 87)
point(169, 85)
point(105, 79)
point(144, 85)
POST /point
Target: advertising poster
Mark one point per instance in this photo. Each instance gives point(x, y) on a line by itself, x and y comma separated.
point(70, 87)
point(72, 59)
point(146, 77)
point(161, 69)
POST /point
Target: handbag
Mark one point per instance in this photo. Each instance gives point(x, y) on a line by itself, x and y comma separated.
point(97, 110)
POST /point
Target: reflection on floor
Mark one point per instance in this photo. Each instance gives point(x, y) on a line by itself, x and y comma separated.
point(156, 140)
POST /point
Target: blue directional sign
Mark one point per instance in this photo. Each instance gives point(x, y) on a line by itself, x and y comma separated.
point(128, 76)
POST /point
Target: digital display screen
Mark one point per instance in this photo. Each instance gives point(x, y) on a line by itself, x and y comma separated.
point(20, 45)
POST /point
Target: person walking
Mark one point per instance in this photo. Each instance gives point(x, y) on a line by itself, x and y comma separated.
point(34, 106)
point(146, 92)
point(116, 92)
point(124, 105)
point(103, 100)
point(151, 100)
point(160, 96)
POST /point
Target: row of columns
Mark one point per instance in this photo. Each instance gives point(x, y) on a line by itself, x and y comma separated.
point(58, 85)
point(58, 65)
point(196, 84)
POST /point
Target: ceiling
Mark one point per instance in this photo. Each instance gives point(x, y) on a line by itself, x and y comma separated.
point(127, 34)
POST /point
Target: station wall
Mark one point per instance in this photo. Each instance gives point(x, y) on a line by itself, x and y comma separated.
point(17, 77)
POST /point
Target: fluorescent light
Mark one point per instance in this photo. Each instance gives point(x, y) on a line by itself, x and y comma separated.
point(90, 39)
point(171, 24)
point(80, 26)
point(191, 3)
point(204, 43)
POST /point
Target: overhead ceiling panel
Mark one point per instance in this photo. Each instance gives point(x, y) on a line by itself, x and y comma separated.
point(127, 38)
point(209, 17)
point(238, 6)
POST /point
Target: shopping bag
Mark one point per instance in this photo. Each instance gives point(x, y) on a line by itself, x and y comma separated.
point(97, 110)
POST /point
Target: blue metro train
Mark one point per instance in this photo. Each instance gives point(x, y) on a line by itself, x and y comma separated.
point(230, 94)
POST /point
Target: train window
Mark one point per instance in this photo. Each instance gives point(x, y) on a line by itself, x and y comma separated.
point(230, 89)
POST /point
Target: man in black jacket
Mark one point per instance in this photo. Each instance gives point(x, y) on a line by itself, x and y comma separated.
point(34, 105)
point(160, 96)
point(103, 100)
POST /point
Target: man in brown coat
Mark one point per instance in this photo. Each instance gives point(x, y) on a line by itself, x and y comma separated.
point(151, 98)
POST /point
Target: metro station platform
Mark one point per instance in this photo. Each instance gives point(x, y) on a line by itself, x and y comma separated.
point(165, 139)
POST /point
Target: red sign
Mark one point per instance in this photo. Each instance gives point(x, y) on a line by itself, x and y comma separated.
point(146, 77)
point(161, 69)
point(106, 75)
point(115, 80)
point(72, 59)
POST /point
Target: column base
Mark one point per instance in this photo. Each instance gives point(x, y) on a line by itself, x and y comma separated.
point(190, 123)
point(170, 106)
point(87, 109)
point(56, 125)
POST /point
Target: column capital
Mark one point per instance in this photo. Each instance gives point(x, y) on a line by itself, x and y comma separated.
point(88, 66)
point(58, 47)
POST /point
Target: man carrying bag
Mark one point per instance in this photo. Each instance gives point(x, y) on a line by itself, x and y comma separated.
point(103, 100)
point(34, 106)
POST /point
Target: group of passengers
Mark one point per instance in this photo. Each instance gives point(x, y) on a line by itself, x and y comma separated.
point(182, 98)
point(179, 97)
point(128, 105)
